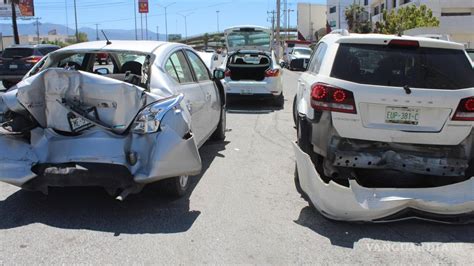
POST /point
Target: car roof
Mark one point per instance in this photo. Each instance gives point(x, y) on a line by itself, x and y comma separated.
point(382, 39)
point(32, 46)
point(137, 46)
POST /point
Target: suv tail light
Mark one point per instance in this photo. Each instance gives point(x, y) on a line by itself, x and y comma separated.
point(272, 73)
point(327, 97)
point(227, 73)
point(465, 110)
point(33, 59)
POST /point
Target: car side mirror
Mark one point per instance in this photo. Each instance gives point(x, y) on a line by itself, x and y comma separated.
point(218, 74)
point(102, 71)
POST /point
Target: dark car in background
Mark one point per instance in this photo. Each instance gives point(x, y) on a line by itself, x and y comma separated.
point(17, 60)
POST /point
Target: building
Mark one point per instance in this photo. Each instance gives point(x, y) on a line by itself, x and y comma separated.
point(456, 17)
point(311, 18)
point(7, 41)
point(336, 12)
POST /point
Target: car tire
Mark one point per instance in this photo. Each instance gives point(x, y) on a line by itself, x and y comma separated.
point(219, 133)
point(7, 84)
point(295, 112)
point(280, 100)
point(176, 187)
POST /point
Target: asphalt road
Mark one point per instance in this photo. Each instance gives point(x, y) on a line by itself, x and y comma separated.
point(243, 208)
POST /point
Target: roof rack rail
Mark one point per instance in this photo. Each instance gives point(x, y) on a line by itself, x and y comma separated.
point(342, 32)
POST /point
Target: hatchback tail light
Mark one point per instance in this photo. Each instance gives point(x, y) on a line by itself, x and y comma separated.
point(272, 73)
point(327, 97)
point(465, 110)
point(33, 59)
point(227, 73)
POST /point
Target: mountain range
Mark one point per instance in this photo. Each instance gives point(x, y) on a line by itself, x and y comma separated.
point(44, 28)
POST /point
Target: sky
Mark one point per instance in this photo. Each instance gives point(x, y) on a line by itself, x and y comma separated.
point(201, 15)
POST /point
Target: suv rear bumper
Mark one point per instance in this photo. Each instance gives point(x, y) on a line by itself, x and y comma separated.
point(358, 203)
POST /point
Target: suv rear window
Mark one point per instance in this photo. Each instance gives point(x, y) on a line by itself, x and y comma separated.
point(431, 68)
point(17, 52)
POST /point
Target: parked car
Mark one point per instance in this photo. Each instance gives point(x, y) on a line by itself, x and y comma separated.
point(298, 54)
point(385, 129)
point(17, 60)
point(251, 65)
point(73, 123)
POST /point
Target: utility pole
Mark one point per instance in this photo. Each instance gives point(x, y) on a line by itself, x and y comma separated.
point(37, 31)
point(146, 26)
point(135, 14)
point(166, 18)
point(186, 25)
point(97, 31)
point(288, 25)
point(141, 24)
point(67, 19)
point(217, 13)
point(75, 18)
point(278, 14)
point(157, 34)
point(14, 25)
point(273, 23)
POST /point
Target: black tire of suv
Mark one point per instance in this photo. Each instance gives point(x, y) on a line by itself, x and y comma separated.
point(295, 112)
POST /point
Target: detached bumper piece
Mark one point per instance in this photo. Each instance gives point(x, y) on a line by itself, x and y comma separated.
point(452, 203)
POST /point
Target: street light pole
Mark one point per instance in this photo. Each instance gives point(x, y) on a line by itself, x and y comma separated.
point(97, 31)
point(157, 34)
point(217, 13)
point(135, 14)
point(166, 18)
point(288, 24)
point(75, 18)
point(186, 25)
point(37, 31)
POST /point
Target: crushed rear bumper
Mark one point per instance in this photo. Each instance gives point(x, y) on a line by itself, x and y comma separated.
point(450, 203)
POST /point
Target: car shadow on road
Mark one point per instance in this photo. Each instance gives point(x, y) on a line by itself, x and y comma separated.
point(251, 105)
point(345, 234)
point(148, 212)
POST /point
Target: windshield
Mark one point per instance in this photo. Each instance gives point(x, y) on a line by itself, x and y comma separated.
point(250, 38)
point(302, 52)
point(431, 68)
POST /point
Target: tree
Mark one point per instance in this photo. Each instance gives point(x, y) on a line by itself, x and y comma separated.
point(82, 37)
point(406, 18)
point(205, 39)
point(357, 19)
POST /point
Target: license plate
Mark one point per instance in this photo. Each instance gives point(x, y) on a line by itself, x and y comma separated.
point(78, 123)
point(402, 115)
point(246, 91)
point(13, 66)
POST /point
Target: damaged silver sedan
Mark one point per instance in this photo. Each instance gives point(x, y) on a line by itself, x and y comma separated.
point(139, 120)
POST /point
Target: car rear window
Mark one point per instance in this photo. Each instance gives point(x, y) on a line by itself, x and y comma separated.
point(431, 68)
point(17, 52)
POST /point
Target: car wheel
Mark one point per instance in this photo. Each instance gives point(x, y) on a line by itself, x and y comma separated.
point(176, 186)
point(7, 84)
point(295, 112)
point(219, 133)
point(280, 100)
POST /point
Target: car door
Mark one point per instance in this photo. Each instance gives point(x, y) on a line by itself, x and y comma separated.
point(203, 77)
point(178, 68)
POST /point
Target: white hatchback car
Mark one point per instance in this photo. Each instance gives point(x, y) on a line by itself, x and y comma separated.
point(385, 129)
point(251, 65)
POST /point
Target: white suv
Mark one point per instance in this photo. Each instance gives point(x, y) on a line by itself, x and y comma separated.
point(385, 129)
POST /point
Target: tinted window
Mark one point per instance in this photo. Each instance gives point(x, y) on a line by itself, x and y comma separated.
point(181, 67)
point(317, 58)
point(198, 66)
point(17, 52)
point(432, 68)
point(47, 50)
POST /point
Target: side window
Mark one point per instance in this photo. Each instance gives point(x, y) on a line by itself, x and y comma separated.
point(183, 72)
point(317, 58)
point(171, 70)
point(198, 66)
